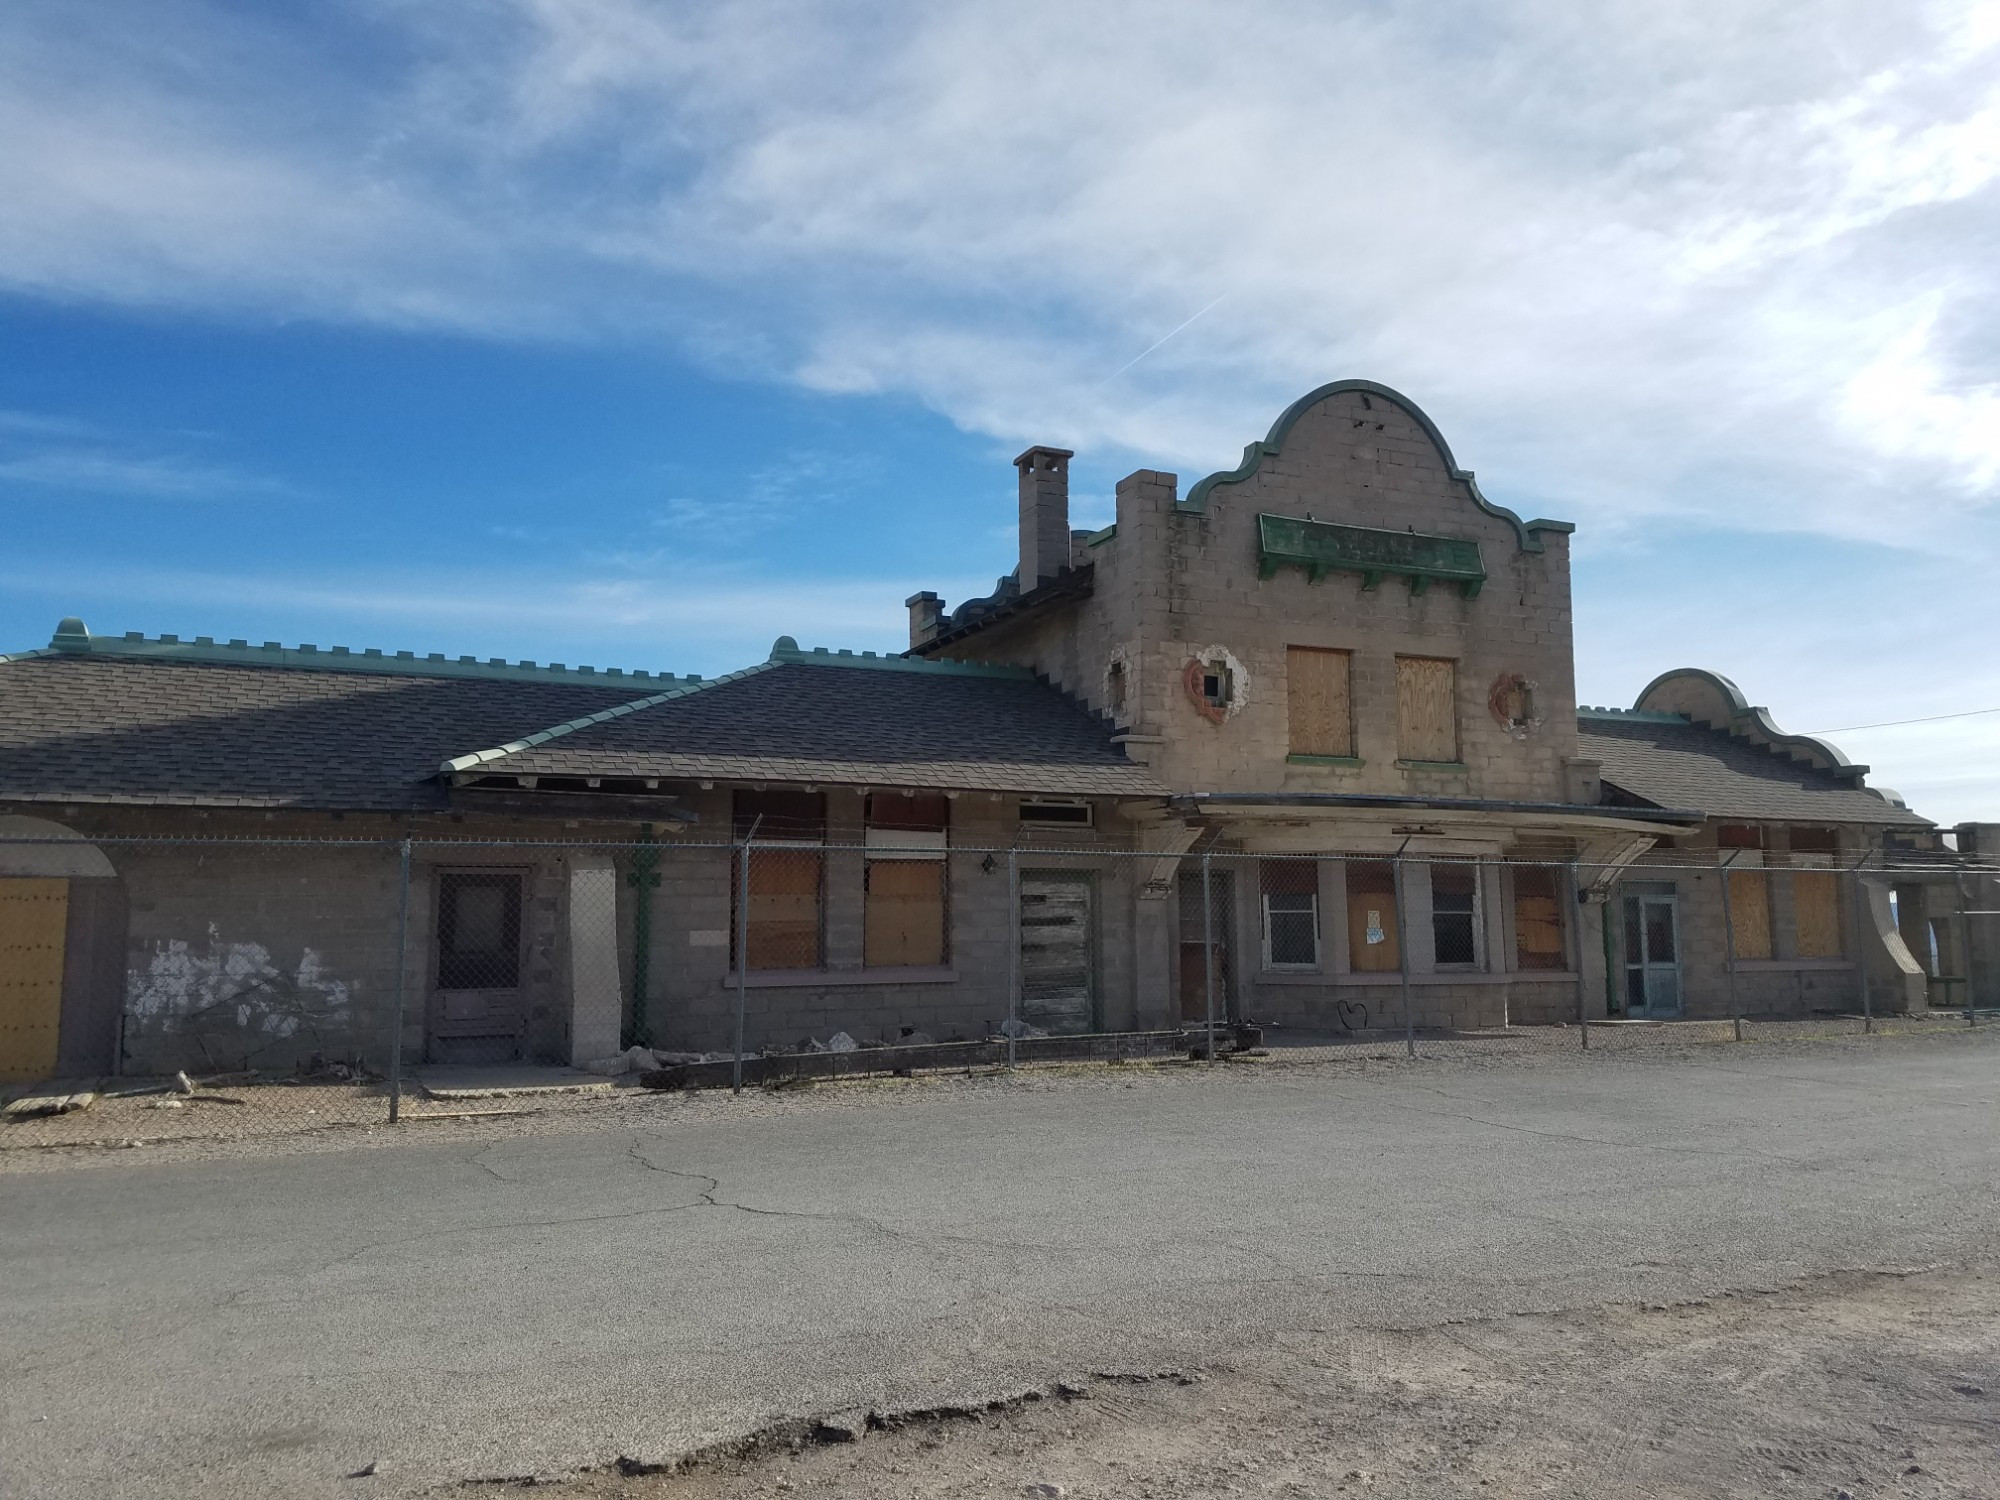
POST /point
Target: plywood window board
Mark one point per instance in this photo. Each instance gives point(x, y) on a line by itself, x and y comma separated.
point(1426, 708)
point(1319, 701)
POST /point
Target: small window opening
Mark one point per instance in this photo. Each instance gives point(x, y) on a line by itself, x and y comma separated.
point(1115, 684)
point(1076, 814)
point(1215, 684)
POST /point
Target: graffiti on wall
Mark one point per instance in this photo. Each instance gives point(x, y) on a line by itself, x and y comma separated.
point(229, 1003)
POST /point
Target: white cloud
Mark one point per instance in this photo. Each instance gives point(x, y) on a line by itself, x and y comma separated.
point(1713, 258)
point(99, 472)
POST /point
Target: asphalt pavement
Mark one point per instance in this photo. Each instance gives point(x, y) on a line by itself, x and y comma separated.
point(448, 1309)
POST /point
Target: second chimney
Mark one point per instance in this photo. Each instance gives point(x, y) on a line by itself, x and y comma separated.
point(1044, 514)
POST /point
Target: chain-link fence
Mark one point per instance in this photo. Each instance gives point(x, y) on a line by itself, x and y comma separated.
point(154, 989)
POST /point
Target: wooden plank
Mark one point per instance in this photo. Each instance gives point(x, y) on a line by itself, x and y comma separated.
point(903, 921)
point(1816, 903)
point(34, 917)
point(1319, 702)
point(1750, 910)
point(1538, 933)
point(1426, 708)
point(1371, 902)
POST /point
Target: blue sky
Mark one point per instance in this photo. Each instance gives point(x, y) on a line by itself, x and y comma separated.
point(637, 334)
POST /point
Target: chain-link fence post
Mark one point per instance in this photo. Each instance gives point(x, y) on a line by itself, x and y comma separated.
point(1013, 952)
point(1208, 948)
point(1965, 951)
point(1858, 901)
point(1569, 891)
point(742, 956)
point(644, 880)
point(1403, 953)
point(1729, 949)
point(402, 981)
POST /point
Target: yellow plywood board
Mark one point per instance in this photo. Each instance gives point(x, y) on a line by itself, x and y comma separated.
point(33, 917)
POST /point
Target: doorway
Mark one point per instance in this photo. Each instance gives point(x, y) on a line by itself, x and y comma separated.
point(1652, 954)
point(476, 1010)
point(33, 919)
point(1058, 952)
point(1196, 940)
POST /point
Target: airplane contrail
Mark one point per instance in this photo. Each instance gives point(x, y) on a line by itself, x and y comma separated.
point(1154, 345)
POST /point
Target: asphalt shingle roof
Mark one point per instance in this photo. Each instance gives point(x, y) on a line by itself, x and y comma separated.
point(858, 725)
point(84, 728)
point(1688, 765)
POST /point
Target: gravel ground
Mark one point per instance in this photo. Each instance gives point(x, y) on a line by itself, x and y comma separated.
point(1845, 1387)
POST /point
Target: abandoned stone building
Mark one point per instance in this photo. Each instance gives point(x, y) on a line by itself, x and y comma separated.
point(1336, 680)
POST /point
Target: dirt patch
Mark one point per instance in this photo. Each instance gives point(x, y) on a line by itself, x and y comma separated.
point(1856, 1386)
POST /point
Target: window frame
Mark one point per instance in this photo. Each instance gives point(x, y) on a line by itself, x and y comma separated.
point(1554, 897)
point(1342, 747)
point(1306, 890)
point(1473, 916)
point(742, 929)
point(889, 841)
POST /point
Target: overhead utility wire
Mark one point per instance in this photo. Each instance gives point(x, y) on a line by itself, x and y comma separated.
point(1970, 713)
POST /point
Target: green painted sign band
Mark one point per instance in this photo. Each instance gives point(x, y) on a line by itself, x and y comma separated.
point(1322, 547)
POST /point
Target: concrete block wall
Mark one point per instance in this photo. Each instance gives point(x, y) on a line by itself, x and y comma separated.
point(256, 956)
point(1785, 984)
point(692, 1002)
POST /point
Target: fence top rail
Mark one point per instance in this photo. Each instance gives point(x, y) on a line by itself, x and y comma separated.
point(1875, 864)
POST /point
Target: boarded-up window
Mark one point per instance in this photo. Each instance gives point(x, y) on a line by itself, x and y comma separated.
point(1816, 903)
point(1750, 911)
point(1741, 846)
point(787, 878)
point(903, 922)
point(1426, 709)
point(784, 909)
point(1374, 938)
point(1317, 699)
point(1538, 931)
point(1290, 894)
point(1455, 915)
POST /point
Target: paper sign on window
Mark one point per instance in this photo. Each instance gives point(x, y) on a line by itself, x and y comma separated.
point(1375, 932)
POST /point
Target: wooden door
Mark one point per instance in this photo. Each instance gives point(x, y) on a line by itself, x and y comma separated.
point(1200, 930)
point(1058, 953)
point(33, 917)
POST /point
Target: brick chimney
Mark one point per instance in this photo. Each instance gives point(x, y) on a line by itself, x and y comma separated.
point(926, 614)
point(1044, 514)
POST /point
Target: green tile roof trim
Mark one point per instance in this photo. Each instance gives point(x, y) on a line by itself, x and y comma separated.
point(1630, 715)
point(787, 650)
point(1527, 533)
point(73, 638)
point(1322, 547)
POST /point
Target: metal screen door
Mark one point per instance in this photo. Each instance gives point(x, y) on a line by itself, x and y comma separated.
point(1652, 956)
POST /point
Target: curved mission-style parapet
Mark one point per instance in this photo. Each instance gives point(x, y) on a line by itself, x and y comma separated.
point(1526, 532)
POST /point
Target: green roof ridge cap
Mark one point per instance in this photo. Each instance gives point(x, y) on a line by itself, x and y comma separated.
point(787, 652)
point(477, 758)
point(72, 639)
point(1526, 533)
